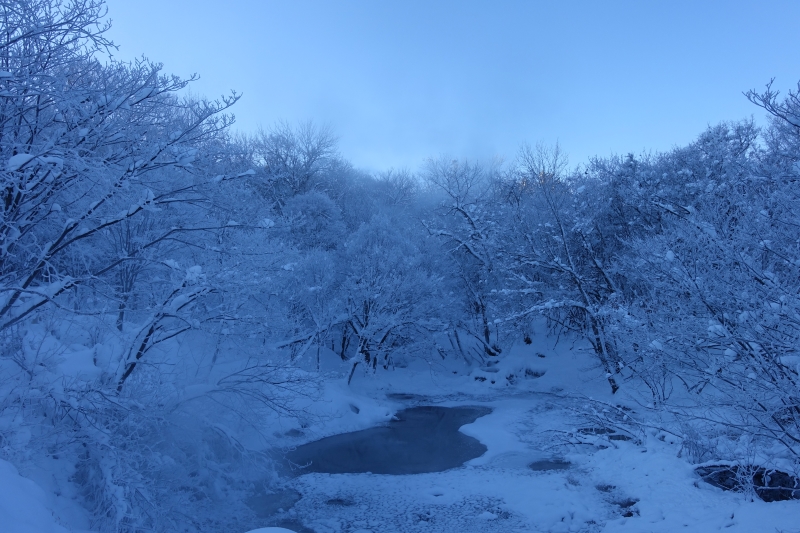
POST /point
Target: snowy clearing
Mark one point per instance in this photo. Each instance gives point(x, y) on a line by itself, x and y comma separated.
point(612, 486)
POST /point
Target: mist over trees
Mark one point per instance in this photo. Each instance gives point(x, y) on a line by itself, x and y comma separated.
point(159, 274)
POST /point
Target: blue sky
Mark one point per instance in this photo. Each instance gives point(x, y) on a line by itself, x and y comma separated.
point(403, 81)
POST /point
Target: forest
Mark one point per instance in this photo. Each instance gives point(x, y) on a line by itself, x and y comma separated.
point(170, 290)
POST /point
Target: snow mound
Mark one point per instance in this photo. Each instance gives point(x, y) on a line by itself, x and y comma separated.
point(23, 504)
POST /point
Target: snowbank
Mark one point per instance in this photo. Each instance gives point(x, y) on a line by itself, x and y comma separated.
point(23, 504)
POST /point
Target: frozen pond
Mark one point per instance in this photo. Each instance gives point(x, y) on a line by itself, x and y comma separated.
point(419, 440)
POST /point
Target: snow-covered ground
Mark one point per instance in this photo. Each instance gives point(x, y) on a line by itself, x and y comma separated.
point(543, 412)
point(24, 506)
point(637, 485)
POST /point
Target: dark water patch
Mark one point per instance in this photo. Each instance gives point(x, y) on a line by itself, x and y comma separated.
point(770, 485)
point(605, 488)
point(406, 397)
point(547, 465)
point(417, 441)
point(340, 502)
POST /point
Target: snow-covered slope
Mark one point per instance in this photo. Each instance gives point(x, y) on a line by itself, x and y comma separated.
point(24, 506)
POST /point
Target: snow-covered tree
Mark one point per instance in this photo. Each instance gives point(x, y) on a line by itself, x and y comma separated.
point(557, 246)
point(77, 138)
point(113, 238)
point(391, 298)
point(292, 159)
point(711, 303)
point(466, 222)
